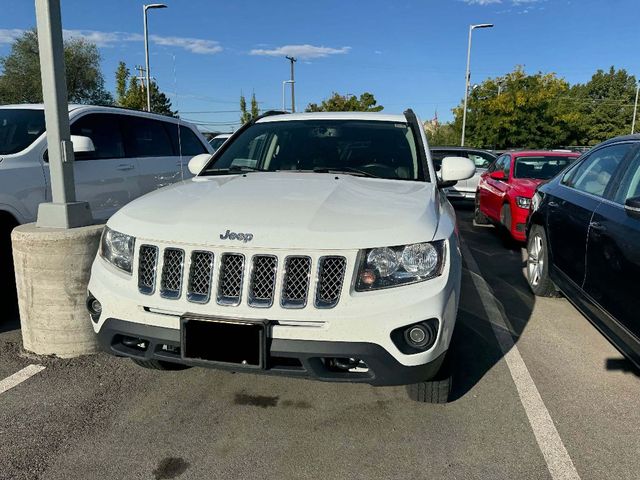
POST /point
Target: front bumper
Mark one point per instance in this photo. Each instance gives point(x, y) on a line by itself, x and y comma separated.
point(286, 357)
point(519, 219)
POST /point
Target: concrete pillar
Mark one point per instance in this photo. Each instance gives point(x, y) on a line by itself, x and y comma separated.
point(52, 273)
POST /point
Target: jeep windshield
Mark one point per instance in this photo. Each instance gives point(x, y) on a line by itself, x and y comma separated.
point(19, 128)
point(365, 148)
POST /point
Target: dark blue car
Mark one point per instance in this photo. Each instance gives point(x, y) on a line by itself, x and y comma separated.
point(583, 239)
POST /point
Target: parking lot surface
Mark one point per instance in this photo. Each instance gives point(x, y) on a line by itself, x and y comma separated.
point(538, 393)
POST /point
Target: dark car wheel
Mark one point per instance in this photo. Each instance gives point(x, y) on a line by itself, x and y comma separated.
point(538, 264)
point(479, 218)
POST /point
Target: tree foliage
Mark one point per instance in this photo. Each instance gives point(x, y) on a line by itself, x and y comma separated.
point(248, 115)
point(130, 93)
point(20, 81)
point(544, 111)
point(441, 134)
point(346, 103)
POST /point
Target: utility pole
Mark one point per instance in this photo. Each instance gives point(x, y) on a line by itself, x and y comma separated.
point(141, 76)
point(293, 60)
point(64, 211)
point(635, 110)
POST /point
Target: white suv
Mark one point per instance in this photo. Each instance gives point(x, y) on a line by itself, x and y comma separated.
point(120, 155)
point(315, 245)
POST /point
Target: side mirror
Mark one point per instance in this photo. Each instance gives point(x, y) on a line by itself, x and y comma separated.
point(632, 206)
point(197, 163)
point(497, 175)
point(454, 169)
point(82, 144)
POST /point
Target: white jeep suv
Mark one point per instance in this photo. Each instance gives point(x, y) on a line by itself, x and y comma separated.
point(315, 245)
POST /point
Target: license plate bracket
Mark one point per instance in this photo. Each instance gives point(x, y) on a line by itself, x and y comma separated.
point(226, 342)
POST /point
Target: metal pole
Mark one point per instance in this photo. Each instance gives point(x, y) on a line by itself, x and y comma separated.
point(146, 57)
point(635, 110)
point(63, 211)
point(466, 88)
point(293, 95)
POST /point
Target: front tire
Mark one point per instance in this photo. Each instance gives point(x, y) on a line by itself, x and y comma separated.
point(538, 264)
point(436, 390)
point(479, 218)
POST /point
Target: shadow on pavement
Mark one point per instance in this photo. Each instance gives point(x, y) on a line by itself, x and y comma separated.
point(501, 265)
point(622, 365)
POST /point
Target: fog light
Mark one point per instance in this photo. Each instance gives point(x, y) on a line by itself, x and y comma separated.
point(417, 335)
point(94, 307)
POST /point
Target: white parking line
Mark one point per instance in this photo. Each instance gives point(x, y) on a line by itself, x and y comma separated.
point(553, 450)
point(20, 376)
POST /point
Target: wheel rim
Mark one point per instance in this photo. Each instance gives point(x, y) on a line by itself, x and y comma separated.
point(535, 260)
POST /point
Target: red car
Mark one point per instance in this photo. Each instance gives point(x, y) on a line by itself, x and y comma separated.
point(505, 189)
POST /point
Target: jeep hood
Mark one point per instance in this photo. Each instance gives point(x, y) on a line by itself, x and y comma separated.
point(290, 210)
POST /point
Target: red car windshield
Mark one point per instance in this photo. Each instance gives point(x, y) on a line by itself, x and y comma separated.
point(540, 167)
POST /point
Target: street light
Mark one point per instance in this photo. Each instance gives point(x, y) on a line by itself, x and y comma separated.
point(146, 48)
point(284, 83)
point(635, 110)
point(468, 77)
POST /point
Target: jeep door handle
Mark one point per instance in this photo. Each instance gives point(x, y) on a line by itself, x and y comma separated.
point(125, 167)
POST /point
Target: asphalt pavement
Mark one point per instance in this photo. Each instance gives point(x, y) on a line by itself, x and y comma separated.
point(538, 394)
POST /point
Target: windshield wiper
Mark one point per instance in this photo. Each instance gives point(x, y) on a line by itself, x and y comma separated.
point(347, 170)
point(232, 169)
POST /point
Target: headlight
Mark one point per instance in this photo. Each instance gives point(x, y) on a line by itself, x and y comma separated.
point(117, 249)
point(387, 267)
point(523, 202)
point(536, 201)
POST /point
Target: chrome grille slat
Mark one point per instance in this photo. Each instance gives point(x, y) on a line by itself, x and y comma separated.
point(230, 279)
point(295, 288)
point(172, 269)
point(330, 281)
point(200, 276)
point(263, 280)
point(147, 265)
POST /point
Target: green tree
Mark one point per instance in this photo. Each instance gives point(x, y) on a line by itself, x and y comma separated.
point(346, 103)
point(519, 110)
point(130, 93)
point(254, 111)
point(441, 134)
point(20, 80)
point(605, 105)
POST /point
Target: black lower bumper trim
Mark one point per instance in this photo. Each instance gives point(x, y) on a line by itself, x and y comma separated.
point(298, 358)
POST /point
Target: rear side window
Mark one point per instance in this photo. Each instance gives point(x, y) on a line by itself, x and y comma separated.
point(104, 130)
point(189, 144)
point(481, 160)
point(19, 128)
point(596, 171)
point(145, 137)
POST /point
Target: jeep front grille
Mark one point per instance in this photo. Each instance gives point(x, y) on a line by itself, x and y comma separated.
point(171, 279)
point(200, 274)
point(331, 277)
point(230, 281)
point(297, 272)
point(221, 275)
point(147, 265)
point(263, 280)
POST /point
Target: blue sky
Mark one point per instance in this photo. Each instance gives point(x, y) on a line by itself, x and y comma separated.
point(408, 53)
